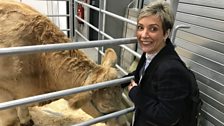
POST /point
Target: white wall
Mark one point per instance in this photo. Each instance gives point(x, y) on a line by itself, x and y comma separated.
point(50, 8)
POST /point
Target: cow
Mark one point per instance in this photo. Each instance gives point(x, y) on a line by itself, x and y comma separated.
point(27, 75)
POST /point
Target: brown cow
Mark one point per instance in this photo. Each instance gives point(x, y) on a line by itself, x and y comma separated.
point(32, 74)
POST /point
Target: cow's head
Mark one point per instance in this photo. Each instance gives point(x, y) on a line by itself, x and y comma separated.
point(106, 100)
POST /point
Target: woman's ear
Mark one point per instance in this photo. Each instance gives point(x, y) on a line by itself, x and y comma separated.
point(166, 34)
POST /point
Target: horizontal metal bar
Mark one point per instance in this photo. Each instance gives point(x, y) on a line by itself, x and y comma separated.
point(117, 66)
point(93, 27)
point(121, 69)
point(62, 15)
point(109, 37)
point(65, 29)
point(119, 17)
point(63, 46)
point(53, 0)
point(131, 51)
point(59, 94)
point(105, 117)
point(108, 13)
point(80, 34)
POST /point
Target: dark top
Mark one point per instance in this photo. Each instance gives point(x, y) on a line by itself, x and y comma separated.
point(160, 98)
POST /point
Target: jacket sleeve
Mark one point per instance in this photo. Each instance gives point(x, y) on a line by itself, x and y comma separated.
point(166, 107)
point(135, 72)
point(126, 84)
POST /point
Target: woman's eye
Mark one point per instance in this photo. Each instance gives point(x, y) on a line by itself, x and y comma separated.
point(153, 29)
point(139, 27)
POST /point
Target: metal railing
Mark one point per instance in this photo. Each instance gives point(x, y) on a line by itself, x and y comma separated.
point(102, 11)
point(58, 94)
point(105, 117)
point(62, 93)
point(76, 45)
point(63, 46)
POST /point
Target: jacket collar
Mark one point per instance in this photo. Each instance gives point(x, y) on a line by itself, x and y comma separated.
point(167, 50)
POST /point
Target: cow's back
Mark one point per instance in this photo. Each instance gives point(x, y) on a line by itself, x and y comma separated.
point(19, 72)
point(23, 26)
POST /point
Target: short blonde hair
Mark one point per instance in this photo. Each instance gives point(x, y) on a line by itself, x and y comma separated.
point(163, 10)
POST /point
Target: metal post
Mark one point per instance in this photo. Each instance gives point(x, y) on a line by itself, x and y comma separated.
point(174, 5)
point(175, 32)
point(72, 22)
point(100, 26)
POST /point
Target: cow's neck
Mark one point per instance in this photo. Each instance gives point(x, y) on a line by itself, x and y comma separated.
point(66, 71)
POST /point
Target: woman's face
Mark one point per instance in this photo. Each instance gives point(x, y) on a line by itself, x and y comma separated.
point(150, 34)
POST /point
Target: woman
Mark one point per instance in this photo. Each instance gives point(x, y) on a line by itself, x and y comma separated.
point(160, 92)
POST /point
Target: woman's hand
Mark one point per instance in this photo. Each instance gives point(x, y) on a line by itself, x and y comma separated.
point(131, 85)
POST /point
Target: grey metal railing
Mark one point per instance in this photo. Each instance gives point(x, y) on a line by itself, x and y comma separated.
point(58, 94)
point(105, 117)
point(63, 46)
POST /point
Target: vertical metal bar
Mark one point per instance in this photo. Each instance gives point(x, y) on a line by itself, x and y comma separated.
point(126, 16)
point(71, 19)
point(104, 16)
point(174, 5)
point(140, 3)
point(100, 23)
point(100, 26)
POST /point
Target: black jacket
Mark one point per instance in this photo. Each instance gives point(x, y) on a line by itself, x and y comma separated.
point(160, 98)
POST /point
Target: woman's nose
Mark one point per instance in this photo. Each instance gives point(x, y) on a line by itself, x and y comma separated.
point(145, 33)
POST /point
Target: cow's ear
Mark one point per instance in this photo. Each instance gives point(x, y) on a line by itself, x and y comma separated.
point(110, 58)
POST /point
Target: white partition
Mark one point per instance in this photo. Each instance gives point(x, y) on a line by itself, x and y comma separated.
point(201, 47)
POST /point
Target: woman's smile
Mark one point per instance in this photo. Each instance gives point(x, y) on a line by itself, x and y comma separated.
point(150, 34)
